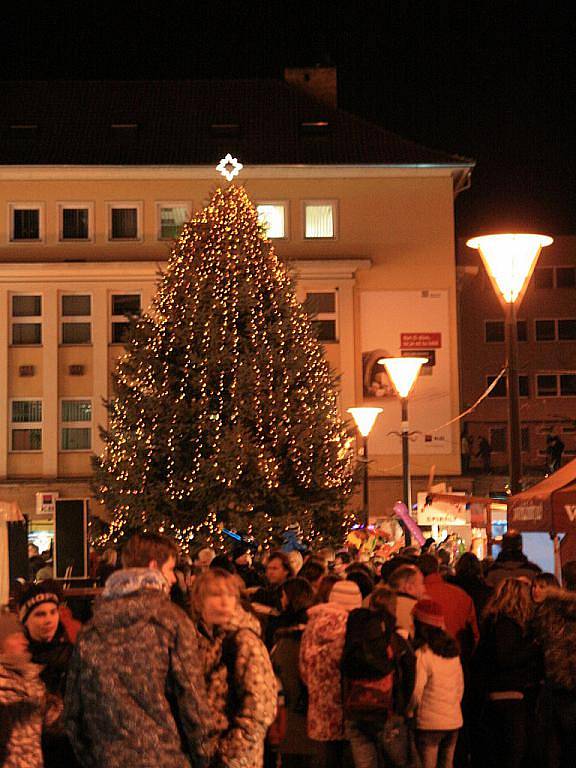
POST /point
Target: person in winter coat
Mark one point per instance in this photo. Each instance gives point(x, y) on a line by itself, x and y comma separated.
point(320, 658)
point(555, 627)
point(438, 688)
point(296, 749)
point(511, 562)
point(22, 699)
point(241, 686)
point(39, 611)
point(135, 695)
point(408, 582)
point(508, 664)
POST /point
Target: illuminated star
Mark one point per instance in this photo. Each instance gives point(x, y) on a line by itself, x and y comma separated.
point(229, 167)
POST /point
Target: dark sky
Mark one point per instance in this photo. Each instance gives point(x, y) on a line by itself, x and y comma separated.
point(487, 80)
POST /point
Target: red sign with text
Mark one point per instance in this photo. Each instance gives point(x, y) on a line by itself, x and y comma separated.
point(420, 340)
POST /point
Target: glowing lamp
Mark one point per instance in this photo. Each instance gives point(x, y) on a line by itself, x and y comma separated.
point(510, 260)
point(364, 418)
point(403, 372)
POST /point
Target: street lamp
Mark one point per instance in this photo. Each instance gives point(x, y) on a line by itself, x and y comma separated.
point(364, 419)
point(509, 260)
point(403, 372)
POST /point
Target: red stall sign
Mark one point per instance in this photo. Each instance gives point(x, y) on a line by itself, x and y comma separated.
point(420, 340)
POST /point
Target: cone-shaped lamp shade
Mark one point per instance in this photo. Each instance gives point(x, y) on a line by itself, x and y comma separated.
point(403, 372)
point(510, 260)
point(364, 418)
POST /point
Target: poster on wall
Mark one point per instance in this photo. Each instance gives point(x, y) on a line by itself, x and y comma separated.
point(408, 324)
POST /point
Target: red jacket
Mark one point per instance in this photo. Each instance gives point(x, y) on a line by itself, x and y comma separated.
point(457, 607)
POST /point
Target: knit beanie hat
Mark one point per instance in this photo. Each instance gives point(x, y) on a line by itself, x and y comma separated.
point(347, 594)
point(34, 595)
point(9, 625)
point(429, 612)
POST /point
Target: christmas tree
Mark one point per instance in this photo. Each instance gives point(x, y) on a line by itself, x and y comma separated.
point(225, 409)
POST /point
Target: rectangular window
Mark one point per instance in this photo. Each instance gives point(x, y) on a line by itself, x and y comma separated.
point(494, 330)
point(522, 330)
point(568, 384)
point(321, 307)
point(501, 389)
point(124, 305)
point(499, 439)
point(545, 330)
point(26, 425)
point(172, 217)
point(273, 217)
point(27, 329)
point(75, 222)
point(565, 277)
point(544, 277)
point(547, 385)
point(76, 418)
point(26, 222)
point(320, 220)
point(76, 319)
point(124, 221)
point(567, 329)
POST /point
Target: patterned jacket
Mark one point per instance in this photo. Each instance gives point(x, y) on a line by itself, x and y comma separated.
point(22, 704)
point(243, 712)
point(555, 625)
point(320, 656)
point(135, 694)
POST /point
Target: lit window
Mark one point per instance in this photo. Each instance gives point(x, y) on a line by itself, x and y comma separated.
point(26, 325)
point(321, 307)
point(26, 222)
point(124, 221)
point(124, 305)
point(75, 222)
point(272, 216)
point(172, 217)
point(76, 430)
point(26, 425)
point(76, 320)
point(320, 220)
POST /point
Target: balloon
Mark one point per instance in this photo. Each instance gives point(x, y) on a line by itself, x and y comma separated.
point(401, 512)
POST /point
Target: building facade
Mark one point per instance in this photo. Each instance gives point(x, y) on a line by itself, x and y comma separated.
point(97, 179)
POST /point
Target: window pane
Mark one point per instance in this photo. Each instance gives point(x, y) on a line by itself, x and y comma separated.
point(494, 330)
point(320, 302)
point(26, 306)
point(501, 389)
point(272, 217)
point(171, 221)
point(120, 332)
point(76, 410)
point(568, 384)
point(26, 411)
point(319, 221)
point(498, 439)
point(124, 223)
point(524, 386)
point(567, 330)
point(27, 333)
point(76, 439)
point(546, 385)
point(522, 330)
point(26, 224)
point(566, 277)
point(324, 330)
point(74, 223)
point(126, 304)
point(26, 439)
point(544, 277)
point(76, 333)
point(76, 306)
point(545, 330)
point(525, 439)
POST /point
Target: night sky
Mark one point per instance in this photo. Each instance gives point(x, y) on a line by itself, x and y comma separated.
point(490, 81)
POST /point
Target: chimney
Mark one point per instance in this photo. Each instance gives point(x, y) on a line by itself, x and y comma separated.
point(318, 82)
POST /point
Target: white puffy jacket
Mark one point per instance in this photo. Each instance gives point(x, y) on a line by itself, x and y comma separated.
point(437, 692)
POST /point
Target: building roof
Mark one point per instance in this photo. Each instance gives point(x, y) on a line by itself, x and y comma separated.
point(262, 122)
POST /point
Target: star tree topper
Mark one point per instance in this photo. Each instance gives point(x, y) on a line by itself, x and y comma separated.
point(229, 167)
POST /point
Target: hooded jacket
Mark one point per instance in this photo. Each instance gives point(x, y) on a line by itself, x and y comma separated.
point(510, 564)
point(22, 705)
point(135, 694)
point(555, 624)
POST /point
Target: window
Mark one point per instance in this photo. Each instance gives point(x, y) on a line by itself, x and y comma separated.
point(321, 306)
point(556, 330)
point(544, 277)
point(26, 425)
point(124, 221)
point(567, 330)
point(556, 384)
point(26, 222)
point(501, 389)
point(494, 330)
point(273, 216)
point(26, 327)
point(171, 219)
point(320, 219)
point(499, 439)
point(565, 277)
point(545, 330)
point(568, 384)
point(124, 305)
point(75, 221)
point(76, 429)
point(76, 322)
point(555, 277)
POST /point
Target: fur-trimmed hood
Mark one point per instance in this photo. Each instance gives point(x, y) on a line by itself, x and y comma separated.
point(555, 623)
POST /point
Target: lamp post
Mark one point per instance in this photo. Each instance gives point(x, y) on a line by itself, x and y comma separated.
point(509, 260)
point(403, 372)
point(364, 418)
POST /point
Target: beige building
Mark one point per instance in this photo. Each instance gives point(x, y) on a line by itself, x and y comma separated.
point(95, 181)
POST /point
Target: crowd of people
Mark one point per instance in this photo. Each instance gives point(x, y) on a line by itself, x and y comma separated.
point(313, 660)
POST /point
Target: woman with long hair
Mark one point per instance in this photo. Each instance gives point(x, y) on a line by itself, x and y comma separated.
point(508, 665)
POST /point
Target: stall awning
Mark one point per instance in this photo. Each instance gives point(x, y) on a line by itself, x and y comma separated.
point(548, 506)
